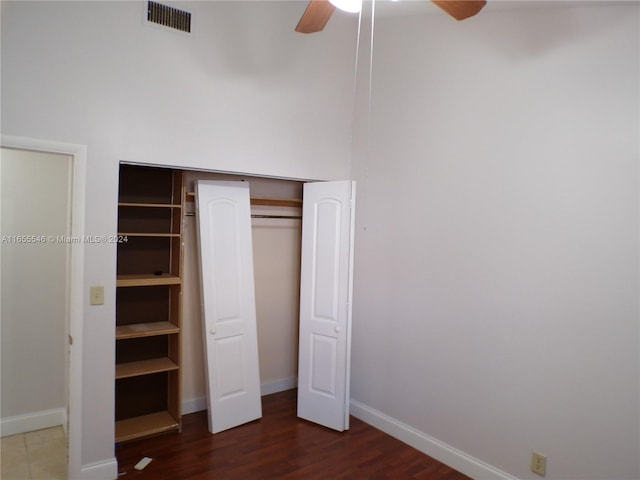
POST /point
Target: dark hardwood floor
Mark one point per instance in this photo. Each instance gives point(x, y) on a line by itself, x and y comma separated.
point(278, 446)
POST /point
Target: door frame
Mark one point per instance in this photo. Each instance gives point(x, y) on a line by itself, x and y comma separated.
point(235, 173)
point(78, 154)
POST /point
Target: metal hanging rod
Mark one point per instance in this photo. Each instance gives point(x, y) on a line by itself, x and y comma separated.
point(295, 217)
point(265, 201)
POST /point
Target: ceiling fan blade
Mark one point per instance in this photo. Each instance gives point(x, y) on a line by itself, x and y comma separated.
point(315, 17)
point(461, 9)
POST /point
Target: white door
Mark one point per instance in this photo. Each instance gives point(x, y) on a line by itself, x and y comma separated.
point(325, 303)
point(231, 346)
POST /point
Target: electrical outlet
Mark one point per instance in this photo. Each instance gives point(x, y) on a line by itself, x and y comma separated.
point(539, 464)
point(96, 296)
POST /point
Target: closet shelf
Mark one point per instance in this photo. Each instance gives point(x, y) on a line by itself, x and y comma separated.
point(147, 280)
point(144, 367)
point(156, 235)
point(149, 205)
point(264, 201)
point(152, 424)
point(150, 329)
point(276, 202)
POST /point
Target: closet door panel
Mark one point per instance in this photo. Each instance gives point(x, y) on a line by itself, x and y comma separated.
point(230, 331)
point(325, 303)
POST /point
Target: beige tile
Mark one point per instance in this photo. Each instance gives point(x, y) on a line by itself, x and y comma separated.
point(48, 471)
point(46, 436)
point(47, 453)
point(13, 458)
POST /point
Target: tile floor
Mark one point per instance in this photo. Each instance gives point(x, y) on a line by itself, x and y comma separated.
point(39, 455)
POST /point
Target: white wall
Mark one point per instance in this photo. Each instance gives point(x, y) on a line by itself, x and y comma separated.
point(276, 253)
point(496, 277)
point(499, 196)
point(35, 203)
point(243, 93)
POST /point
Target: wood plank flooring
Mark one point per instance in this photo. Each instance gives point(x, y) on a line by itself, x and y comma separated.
point(279, 446)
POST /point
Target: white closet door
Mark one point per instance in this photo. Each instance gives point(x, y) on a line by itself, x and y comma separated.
point(231, 347)
point(325, 303)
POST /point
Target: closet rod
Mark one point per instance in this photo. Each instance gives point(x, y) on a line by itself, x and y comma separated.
point(294, 217)
point(265, 201)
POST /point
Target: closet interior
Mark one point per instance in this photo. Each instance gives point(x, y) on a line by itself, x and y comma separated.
point(160, 365)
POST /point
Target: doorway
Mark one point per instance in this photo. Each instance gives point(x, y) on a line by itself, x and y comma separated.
point(35, 191)
point(52, 169)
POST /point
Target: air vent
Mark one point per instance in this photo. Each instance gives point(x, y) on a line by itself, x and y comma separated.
point(169, 16)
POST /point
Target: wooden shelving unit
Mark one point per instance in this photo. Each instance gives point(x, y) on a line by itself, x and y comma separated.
point(148, 302)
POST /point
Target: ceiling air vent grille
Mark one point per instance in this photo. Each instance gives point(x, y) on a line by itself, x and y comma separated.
point(169, 16)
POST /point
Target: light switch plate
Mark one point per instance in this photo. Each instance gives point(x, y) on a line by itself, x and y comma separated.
point(96, 295)
point(539, 464)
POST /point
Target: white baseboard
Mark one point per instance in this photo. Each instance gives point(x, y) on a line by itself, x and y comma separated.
point(33, 421)
point(278, 385)
point(194, 405)
point(105, 470)
point(433, 447)
point(198, 404)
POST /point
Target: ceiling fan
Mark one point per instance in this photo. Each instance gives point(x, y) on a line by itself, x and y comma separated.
point(318, 12)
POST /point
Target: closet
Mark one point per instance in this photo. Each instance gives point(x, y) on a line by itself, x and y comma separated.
point(160, 371)
point(301, 275)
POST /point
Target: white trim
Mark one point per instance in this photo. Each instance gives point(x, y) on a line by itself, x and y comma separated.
point(33, 421)
point(433, 447)
point(352, 233)
point(105, 470)
point(194, 405)
point(79, 162)
point(278, 385)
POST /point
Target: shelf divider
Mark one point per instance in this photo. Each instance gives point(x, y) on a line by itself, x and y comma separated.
point(147, 280)
point(144, 367)
point(145, 425)
point(149, 205)
point(149, 329)
point(140, 234)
